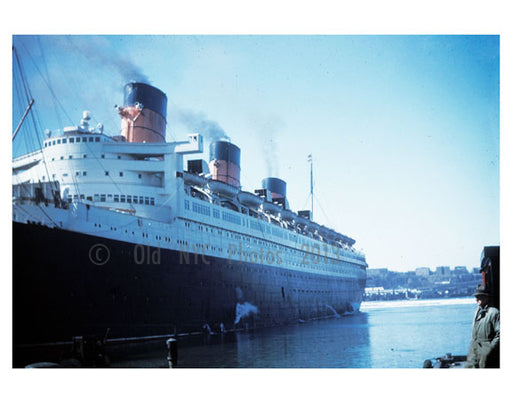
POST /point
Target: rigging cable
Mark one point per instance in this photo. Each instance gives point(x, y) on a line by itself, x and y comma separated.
point(50, 89)
point(34, 122)
point(33, 116)
point(48, 80)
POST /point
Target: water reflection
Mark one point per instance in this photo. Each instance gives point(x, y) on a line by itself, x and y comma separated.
point(329, 343)
point(382, 336)
point(333, 343)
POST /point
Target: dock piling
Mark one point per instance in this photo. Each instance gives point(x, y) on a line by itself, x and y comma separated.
point(172, 352)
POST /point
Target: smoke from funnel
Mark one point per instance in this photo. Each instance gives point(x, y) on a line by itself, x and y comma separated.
point(198, 122)
point(99, 51)
point(267, 130)
point(104, 67)
point(270, 153)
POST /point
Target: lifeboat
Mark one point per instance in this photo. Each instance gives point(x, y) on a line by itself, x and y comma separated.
point(271, 207)
point(345, 239)
point(250, 199)
point(301, 220)
point(288, 215)
point(222, 188)
point(193, 179)
point(313, 226)
point(327, 233)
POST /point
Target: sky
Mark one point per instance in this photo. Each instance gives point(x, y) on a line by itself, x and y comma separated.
point(404, 131)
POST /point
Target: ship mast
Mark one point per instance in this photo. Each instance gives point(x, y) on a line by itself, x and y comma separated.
point(310, 159)
point(27, 91)
point(23, 119)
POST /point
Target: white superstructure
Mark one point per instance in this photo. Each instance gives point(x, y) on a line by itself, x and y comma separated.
point(140, 193)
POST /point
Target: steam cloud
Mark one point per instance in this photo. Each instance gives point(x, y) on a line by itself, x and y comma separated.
point(243, 310)
point(198, 122)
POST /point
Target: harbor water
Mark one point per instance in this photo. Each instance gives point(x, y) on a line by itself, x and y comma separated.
point(384, 334)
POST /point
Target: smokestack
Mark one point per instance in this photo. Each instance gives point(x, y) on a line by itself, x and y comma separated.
point(225, 162)
point(276, 186)
point(144, 114)
point(277, 189)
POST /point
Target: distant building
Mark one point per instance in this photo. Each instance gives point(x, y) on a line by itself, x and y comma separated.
point(374, 290)
point(377, 272)
point(476, 270)
point(460, 270)
point(423, 271)
point(443, 270)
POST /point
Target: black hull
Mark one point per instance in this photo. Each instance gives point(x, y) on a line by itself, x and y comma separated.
point(59, 292)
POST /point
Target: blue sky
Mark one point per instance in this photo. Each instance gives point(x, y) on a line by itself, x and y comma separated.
point(404, 130)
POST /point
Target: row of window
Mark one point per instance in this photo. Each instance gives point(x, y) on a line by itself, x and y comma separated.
point(205, 210)
point(230, 217)
point(107, 173)
point(149, 201)
point(144, 234)
point(200, 209)
point(83, 156)
point(70, 157)
point(307, 256)
point(83, 139)
point(235, 218)
point(84, 173)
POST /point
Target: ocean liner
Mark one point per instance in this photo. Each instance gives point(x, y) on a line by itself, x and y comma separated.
point(129, 235)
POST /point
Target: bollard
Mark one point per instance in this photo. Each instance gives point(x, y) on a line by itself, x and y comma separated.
point(172, 352)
